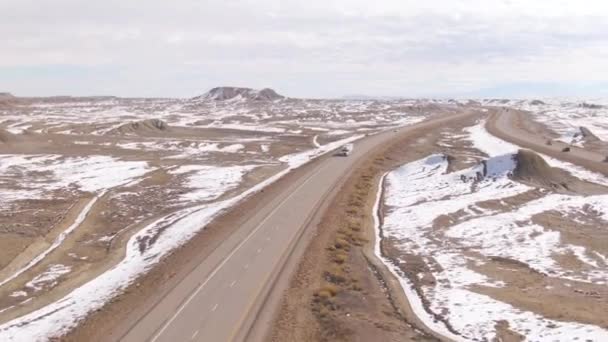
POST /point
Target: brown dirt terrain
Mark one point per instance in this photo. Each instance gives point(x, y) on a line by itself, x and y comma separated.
point(532, 169)
point(514, 126)
point(7, 137)
point(335, 294)
point(117, 316)
point(68, 127)
point(526, 122)
point(340, 292)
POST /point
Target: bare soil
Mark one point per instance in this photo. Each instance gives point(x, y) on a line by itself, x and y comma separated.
point(116, 317)
point(340, 291)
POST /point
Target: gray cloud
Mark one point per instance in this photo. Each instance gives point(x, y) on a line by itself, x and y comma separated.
point(313, 48)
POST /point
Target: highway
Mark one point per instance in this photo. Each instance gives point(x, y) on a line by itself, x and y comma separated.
point(221, 298)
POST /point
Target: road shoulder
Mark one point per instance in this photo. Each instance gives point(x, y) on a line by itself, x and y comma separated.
point(112, 321)
point(340, 290)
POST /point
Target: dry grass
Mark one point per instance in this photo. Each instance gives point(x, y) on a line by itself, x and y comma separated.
point(327, 291)
point(348, 236)
point(337, 257)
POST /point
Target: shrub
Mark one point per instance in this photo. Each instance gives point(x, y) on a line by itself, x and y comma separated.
point(327, 291)
point(341, 243)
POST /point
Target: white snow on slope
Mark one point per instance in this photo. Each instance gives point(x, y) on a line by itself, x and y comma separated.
point(42, 173)
point(414, 300)
point(185, 149)
point(210, 182)
point(174, 230)
point(57, 242)
point(48, 278)
point(566, 116)
point(493, 146)
point(418, 191)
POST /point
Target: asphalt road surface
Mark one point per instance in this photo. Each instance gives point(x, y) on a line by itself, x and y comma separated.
point(216, 300)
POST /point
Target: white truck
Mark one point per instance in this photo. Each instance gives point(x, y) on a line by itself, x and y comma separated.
point(346, 150)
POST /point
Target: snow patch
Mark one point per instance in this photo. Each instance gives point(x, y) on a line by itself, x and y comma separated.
point(171, 232)
point(418, 192)
point(210, 182)
point(48, 278)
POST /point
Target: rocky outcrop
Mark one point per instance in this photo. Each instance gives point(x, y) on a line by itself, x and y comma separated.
point(232, 93)
point(532, 169)
point(530, 166)
point(587, 135)
point(150, 126)
point(590, 105)
point(537, 103)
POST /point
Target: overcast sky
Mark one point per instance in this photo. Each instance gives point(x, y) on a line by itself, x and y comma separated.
point(312, 48)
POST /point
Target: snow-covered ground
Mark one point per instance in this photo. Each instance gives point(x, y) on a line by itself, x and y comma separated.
point(99, 117)
point(418, 192)
point(171, 231)
point(48, 278)
point(492, 146)
point(101, 171)
point(210, 182)
point(41, 175)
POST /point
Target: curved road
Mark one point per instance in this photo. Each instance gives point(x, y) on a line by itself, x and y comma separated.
point(222, 297)
point(505, 124)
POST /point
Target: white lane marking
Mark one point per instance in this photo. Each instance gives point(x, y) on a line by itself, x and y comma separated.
point(232, 284)
point(214, 308)
point(218, 267)
point(194, 335)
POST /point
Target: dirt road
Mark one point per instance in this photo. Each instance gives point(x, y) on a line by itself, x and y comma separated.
point(220, 298)
point(510, 125)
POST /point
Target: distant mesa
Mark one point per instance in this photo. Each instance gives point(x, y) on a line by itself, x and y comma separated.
point(7, 100)
point(233, 93)
point(140, 127)
point(499, 101)
point(537, 103)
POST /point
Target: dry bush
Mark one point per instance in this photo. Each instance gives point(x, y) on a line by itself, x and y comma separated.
point(341, 243)
point(340, 258)
point(327, 291)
